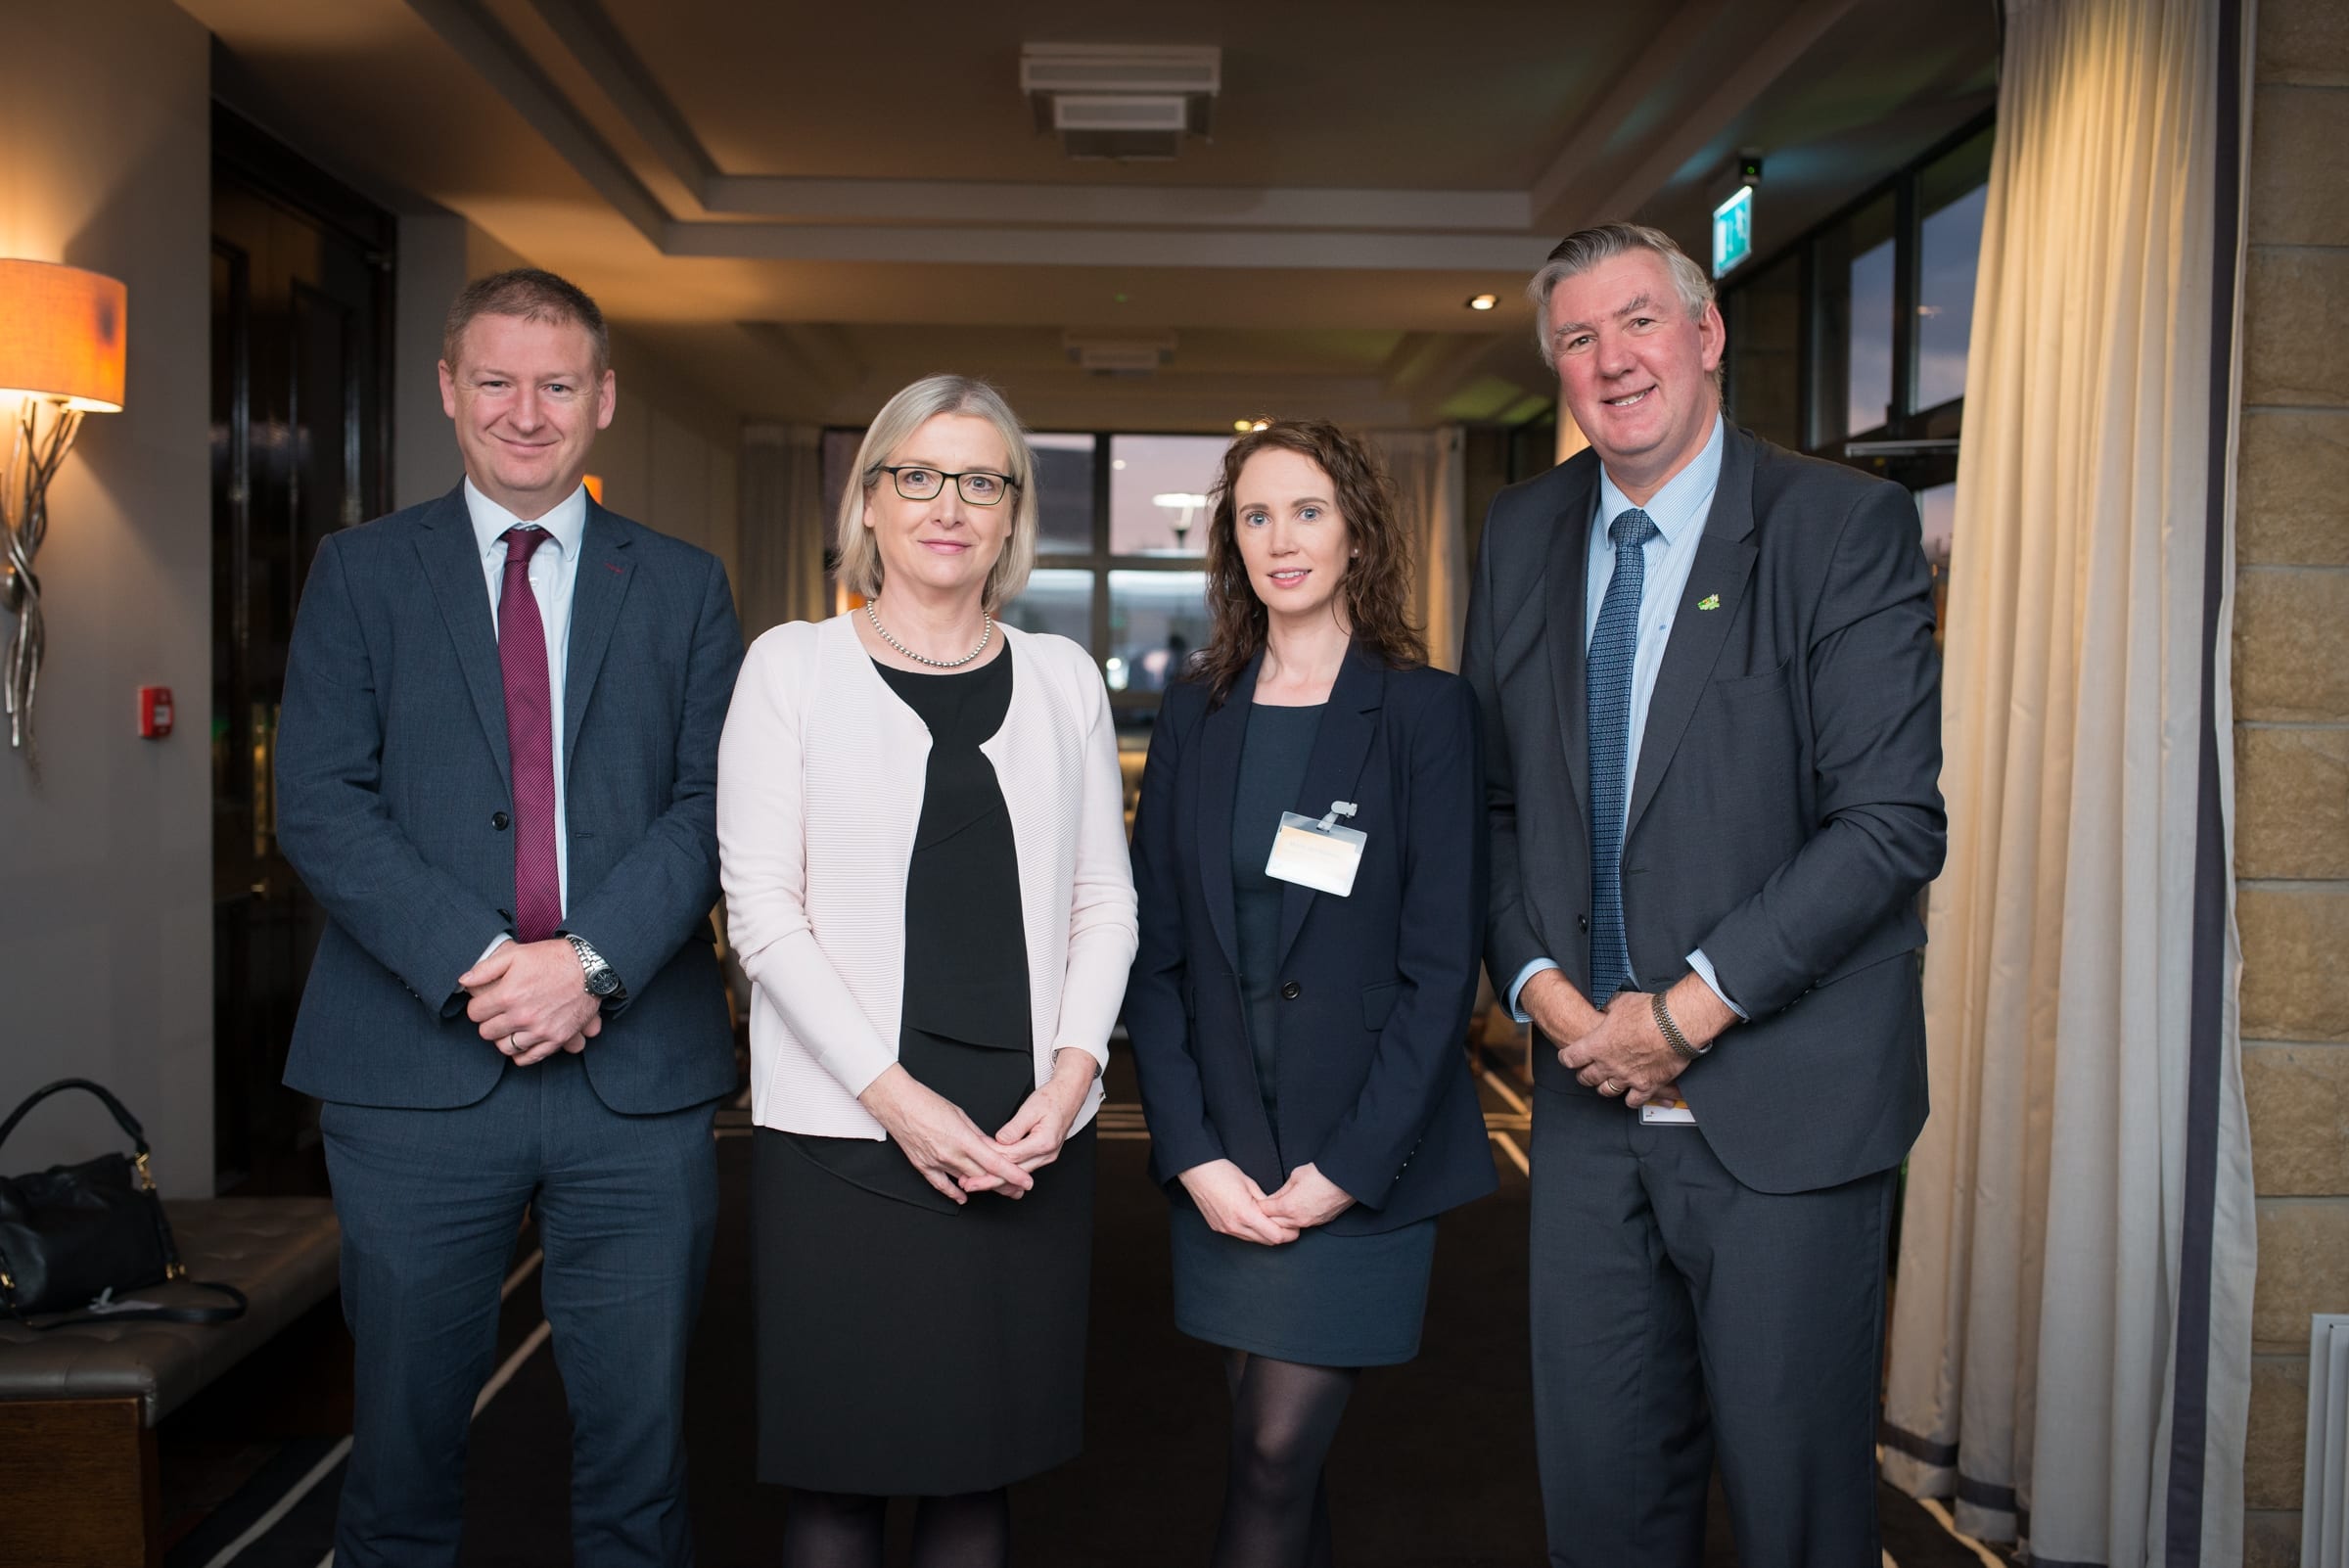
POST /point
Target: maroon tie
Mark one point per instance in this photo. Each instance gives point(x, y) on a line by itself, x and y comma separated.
point(531, 742)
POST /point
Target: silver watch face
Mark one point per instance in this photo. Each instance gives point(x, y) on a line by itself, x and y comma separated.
point(601, 981)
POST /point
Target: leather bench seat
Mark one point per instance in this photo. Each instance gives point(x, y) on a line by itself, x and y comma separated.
point(283, 1253)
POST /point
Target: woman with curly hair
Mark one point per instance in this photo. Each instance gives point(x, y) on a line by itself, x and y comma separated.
point(1309, 859)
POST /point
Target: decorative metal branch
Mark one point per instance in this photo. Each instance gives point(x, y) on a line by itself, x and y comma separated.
point(32, 462)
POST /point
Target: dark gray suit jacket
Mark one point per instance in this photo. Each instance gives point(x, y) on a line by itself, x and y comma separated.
point(394, 796)
point(1784, 812)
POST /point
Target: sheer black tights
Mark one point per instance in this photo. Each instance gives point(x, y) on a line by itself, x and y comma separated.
point(1275, 1503)
point(844, 1530)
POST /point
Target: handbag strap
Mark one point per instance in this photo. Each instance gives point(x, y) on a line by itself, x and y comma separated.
point(150, 1314)
point(129, 1123)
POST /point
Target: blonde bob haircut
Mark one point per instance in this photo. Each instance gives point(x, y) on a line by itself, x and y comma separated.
point(908, 411)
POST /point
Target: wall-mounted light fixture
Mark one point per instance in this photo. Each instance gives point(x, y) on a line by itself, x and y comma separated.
point(1483, 301)
point(62, 336)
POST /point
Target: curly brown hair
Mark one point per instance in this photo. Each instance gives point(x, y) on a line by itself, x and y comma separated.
point(1375, 590)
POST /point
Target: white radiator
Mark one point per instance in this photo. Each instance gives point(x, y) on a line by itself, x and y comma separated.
point(2324, 1502)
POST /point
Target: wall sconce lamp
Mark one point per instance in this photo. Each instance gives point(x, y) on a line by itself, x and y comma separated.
point(61, 352)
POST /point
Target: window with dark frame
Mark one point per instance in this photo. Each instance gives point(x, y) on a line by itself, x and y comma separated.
point(1850, 343)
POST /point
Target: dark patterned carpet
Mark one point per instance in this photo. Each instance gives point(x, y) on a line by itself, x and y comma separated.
point(1434, 1465)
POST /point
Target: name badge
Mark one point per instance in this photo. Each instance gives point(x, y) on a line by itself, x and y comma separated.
point(1673, 1111)
point(1316, 853)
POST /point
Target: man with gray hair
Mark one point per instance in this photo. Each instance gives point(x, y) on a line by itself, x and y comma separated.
point(1711, 717)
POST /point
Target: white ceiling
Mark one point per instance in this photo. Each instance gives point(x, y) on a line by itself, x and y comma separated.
point(801, 208)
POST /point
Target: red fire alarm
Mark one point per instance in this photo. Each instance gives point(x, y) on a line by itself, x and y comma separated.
point(155, 712)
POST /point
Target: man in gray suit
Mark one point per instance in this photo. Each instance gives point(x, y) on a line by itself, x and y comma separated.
point(497, 767)
point(1712, 711)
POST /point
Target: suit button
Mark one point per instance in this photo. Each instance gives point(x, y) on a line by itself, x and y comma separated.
point(498, 821)
point(1292, 991)
point(1582, 921)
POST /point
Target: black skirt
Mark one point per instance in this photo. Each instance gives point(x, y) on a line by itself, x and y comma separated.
point(903, 1351)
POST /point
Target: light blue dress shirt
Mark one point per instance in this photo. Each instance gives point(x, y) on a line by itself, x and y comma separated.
point(1679, 510)
point(554, 572)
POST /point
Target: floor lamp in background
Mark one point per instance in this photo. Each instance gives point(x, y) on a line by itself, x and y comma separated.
point(61, 355)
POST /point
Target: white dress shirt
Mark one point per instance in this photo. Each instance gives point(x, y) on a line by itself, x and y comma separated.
point(1679, 511)
point(554, 570)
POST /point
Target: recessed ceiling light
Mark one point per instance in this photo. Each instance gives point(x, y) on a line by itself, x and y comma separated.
point(1244, 425)
point(1117, 462)
point(1483, 301)
point(1260, 424)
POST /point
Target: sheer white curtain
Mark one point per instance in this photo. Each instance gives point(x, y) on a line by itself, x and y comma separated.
point(2036, 1339)
point(1430, 486)
point(784, 529)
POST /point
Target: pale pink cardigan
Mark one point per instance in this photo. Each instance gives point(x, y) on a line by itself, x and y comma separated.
point(819, 788)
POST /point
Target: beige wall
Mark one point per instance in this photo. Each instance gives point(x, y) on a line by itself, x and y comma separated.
point(2291, 694)
point(670, 459)
point(106, 920)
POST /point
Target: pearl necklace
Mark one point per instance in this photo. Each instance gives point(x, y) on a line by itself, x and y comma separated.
point(986, 634)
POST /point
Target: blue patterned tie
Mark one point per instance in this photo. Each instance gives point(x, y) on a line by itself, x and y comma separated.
point(1614, 645)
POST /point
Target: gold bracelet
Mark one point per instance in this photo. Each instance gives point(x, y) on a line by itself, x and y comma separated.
point(1672, 1030)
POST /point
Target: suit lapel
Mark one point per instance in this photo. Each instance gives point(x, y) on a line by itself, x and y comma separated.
point(596, 592)
point(1725, 563)
point(452, 567)
point(1341, 741)
point(1569, 573)
point(1221, 734)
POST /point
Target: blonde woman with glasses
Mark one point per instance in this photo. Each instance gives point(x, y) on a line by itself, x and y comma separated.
point(923, 851)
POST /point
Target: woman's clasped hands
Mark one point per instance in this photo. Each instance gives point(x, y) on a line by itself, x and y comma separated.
point(950, 1151)
point(1234, 1205)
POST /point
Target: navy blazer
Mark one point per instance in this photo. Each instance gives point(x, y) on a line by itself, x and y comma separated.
point(395, 798)
point(1785, 814)
point(1376, 987)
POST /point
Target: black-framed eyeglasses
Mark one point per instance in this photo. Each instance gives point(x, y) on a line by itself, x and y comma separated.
point(978, 487)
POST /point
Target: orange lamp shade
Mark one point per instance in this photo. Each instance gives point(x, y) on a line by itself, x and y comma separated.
point(62, 335)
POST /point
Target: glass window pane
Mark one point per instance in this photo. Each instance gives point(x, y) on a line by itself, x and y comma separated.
point(1937, 515)
point(1952, 192)
point(1853, 377)
point(1765, 380)
point(1156, 619)
point(1869, 370)
point(1064, 493)
point(1057, 601)
point(1157, 488)
point(1949, 248)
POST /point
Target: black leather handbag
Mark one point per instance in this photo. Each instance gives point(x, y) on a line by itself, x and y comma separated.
point(74, 1235)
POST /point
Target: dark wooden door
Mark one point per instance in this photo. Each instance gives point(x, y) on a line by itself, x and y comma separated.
point(301, 288)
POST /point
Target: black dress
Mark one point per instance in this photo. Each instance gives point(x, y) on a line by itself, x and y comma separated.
point(907, 1345)
point(1322, 1300)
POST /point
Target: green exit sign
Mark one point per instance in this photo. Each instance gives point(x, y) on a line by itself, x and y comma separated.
point(1733, 231)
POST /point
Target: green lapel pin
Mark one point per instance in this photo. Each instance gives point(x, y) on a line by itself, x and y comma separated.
point(1711, 601)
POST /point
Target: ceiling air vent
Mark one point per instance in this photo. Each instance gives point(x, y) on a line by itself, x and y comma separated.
point(1123, 355)
point(1120, 101)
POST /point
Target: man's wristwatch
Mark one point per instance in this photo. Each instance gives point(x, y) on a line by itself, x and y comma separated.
point(603, 981)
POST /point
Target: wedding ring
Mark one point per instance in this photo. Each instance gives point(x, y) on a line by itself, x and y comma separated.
point(1610, 1087)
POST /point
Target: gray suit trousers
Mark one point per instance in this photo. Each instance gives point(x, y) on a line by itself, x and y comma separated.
point(1673, 1309)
